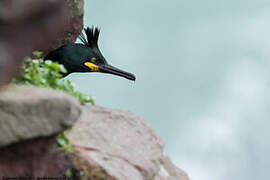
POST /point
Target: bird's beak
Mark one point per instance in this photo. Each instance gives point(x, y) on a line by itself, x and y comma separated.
point(113, 70)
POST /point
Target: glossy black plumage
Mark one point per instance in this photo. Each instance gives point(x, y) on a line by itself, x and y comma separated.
point(85, 57)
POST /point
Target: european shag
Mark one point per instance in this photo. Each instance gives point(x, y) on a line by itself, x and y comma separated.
point(85, 57)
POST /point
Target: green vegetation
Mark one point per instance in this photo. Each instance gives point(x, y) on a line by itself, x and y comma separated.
point(68, 173)
point(64, 142)
point(38, 72)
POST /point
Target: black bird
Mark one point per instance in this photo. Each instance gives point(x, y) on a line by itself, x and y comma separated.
point(86, 57)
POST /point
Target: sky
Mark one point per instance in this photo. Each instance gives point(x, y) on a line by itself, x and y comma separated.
point(203, 83)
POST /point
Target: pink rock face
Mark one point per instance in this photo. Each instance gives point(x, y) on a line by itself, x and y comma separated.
point(120, 145)
point(30, 25)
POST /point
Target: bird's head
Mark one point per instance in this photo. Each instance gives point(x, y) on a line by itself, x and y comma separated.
point(93, 60)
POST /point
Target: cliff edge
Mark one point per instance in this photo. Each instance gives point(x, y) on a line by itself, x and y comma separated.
point(107, 144)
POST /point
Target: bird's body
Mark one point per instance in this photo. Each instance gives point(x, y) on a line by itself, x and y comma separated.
point(67, 53)
point(85, 57)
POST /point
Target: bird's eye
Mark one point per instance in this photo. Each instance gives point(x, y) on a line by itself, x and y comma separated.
point(93, 59)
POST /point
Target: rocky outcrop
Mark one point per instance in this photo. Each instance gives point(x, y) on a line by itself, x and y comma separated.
point(30, 119)
point(28, 112)
point(116, 144)
point(108, 144)
point(30, 25)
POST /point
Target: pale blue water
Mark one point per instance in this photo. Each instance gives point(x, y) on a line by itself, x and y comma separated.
point(202, 83)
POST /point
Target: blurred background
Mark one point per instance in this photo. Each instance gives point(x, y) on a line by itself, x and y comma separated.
point(203, 78)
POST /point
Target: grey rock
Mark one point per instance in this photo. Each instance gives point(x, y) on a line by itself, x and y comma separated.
point(28, 112)
point(122, 145)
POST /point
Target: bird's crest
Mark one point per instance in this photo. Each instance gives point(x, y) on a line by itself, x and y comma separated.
point(91, 39)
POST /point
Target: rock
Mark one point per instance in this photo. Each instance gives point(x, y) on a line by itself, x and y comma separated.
point(28, 112)
point(30, 25)
point(34, 158)
point(115, 144)
point(23, 26)
point(73, 27)
point(108, 144)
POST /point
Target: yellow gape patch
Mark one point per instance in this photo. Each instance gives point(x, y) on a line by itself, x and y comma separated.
point(92, 66)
